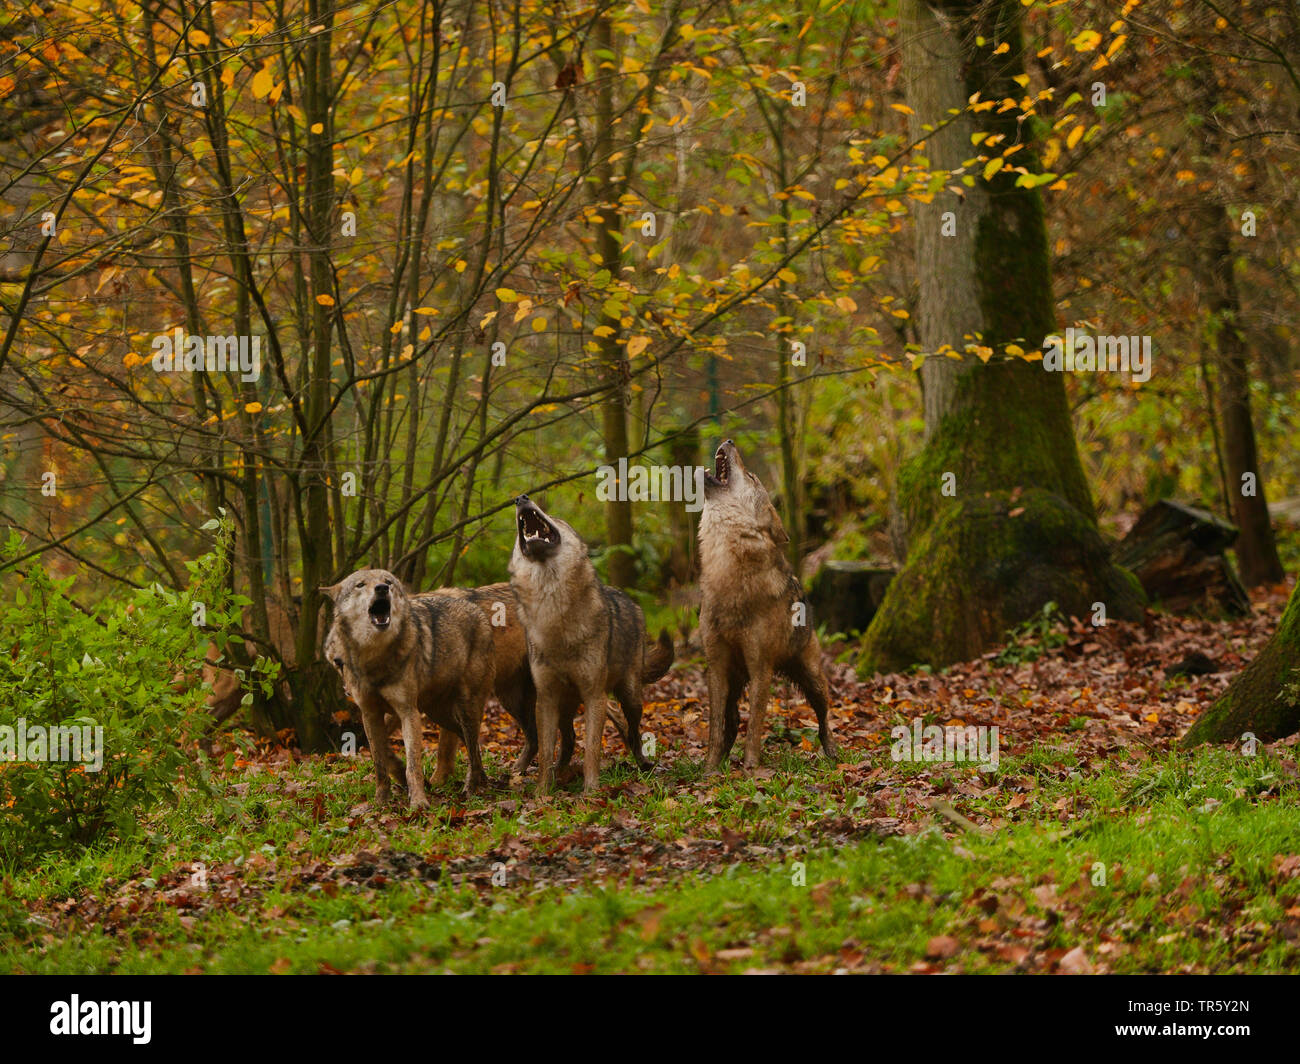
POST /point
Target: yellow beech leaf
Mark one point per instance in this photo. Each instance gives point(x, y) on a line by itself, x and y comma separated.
point(262, 82)
point(325, 300)
point(507, 295)
point(426, 310)
point(846, 304)
point(636, 345)
point(252, 408)
point(1075, 135)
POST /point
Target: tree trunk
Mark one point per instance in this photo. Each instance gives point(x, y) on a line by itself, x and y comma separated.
point(998, 516)
point(618, 511)
point(1216, 277)
point(311, 683)
point(1256, 549)
point(1265, 699)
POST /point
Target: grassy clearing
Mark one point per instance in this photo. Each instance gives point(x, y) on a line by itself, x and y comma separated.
point(806, 867)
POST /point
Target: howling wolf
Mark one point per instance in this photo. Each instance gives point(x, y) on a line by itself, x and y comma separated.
point(584, 639)
point(754, 620)
point(410, 654)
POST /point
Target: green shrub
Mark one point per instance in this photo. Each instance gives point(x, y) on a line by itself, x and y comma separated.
point(123, 675)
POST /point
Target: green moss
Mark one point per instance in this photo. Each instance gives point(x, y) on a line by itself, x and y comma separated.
point(1265, 698)
point(978, 570)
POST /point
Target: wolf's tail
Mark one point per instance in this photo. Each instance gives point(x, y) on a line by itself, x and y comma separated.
point(658, 658)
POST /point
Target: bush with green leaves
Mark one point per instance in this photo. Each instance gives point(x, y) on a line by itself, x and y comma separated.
point(129, 666)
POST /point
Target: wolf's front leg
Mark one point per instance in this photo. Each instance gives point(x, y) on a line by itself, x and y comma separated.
point(594, 703)
point(412, 739)
point(719, 747)
point(760, 686)
point(372, 720)
point(547, 725)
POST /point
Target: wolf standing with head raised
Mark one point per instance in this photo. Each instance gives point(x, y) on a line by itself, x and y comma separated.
point(753, 617)
point(410, 655)
point(584, 639)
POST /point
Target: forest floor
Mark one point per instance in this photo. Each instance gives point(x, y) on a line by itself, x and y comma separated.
point(1096, 846)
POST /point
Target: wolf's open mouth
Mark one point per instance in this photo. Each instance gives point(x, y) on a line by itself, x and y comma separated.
point(381, 612)
point(721, 467)
point(535, 529)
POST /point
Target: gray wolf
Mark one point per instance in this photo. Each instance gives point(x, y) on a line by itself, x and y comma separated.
point(409, 655)
point(754, 619)
point(584, 640)
point(514, 678)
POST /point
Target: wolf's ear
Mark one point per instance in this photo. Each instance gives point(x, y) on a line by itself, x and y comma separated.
point(331, 592)
point(774, 527)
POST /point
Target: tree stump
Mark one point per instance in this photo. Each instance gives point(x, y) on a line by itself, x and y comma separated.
point(1177, 553)
point(845, 595)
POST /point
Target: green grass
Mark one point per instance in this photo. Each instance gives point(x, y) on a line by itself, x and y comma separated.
point(1191, 847)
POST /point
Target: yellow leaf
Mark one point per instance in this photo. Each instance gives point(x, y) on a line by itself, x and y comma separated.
point(1086, 41)
point(539, 325)
point(1075, 135)
point(902, 108)
point(199, 37)
point(636, 345)
point(325, 300)
point(318, 127)
point(460, 265)
point(252, 408)
point(262, 82)
point(426, 311)
point(788, 276)
point(846, 304)
point(507, 295)
point(992, 167)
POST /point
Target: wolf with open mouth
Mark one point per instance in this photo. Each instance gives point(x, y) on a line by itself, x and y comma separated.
point(754, 619)
point(584, 640)
point(409, 655)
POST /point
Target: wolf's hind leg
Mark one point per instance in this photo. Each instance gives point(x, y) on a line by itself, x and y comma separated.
point(810, 678)
point(447, 743)
point(629, 699)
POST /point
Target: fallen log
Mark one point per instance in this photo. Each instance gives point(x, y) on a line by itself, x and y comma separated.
point(1177, 553)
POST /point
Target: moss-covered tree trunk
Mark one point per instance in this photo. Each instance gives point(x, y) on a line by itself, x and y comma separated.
point(1265, 698)
point(998, 515)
